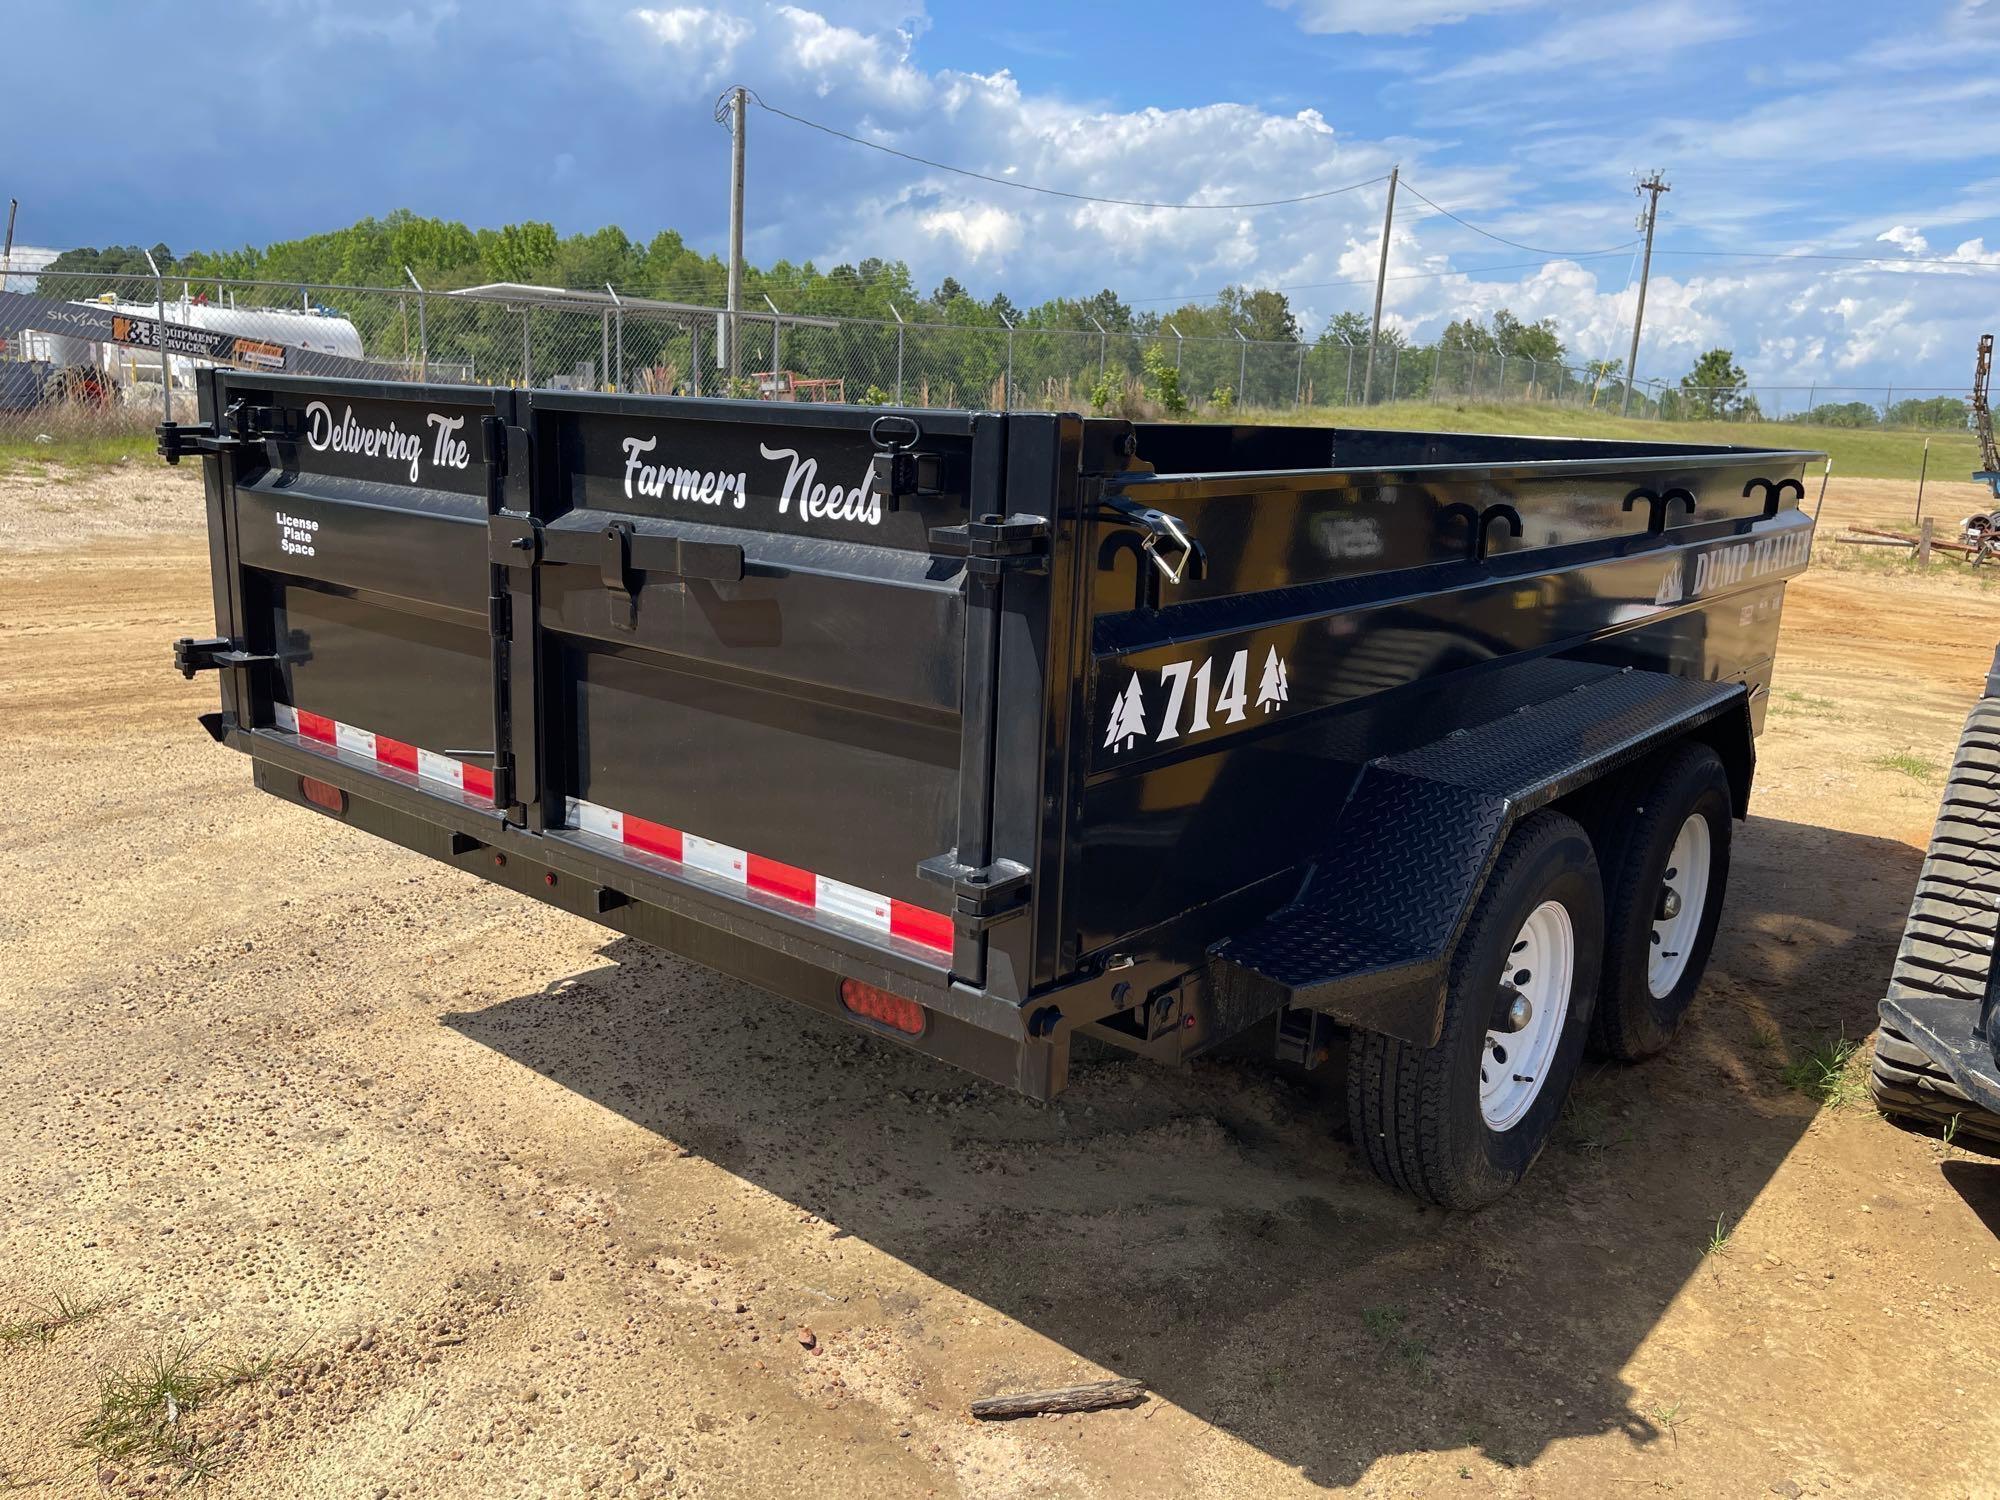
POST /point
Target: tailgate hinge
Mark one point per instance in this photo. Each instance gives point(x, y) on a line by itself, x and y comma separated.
point(212, 654)
point(241, 423)
point(176, 440)
point(983, 895)
point(997, 544)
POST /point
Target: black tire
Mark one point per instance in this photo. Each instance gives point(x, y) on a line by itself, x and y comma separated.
point(1947, 952)
point(1415, 1111)
point(1632, 1022)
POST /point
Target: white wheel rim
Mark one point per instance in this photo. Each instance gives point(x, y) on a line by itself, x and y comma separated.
point(1684, 891)
point(1540, 968)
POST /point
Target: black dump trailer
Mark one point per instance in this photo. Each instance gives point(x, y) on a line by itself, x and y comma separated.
point(981, 731)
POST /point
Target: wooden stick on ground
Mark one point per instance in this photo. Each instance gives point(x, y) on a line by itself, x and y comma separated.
point(1091, 1397)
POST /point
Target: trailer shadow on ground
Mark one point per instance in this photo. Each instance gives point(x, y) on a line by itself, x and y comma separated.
point(1208, 1232)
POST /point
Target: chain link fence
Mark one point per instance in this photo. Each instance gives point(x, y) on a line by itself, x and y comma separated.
point(109, 353)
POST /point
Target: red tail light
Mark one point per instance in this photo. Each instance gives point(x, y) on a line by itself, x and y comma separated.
point(880, 1006)
point(324, 794)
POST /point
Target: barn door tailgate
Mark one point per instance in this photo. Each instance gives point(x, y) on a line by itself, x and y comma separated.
point(755, 663)
point(747, 648)
point(348, 526)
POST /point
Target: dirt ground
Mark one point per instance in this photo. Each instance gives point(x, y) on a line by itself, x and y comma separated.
point(524, 1210)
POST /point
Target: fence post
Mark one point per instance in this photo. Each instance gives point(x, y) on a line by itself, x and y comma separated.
point(305, 299)
point(604, 349)
point(1007, 384)
point(527, 354)
point(1924, 543)
point(423, 336)
point(899, 352)
point(1178, 341)
point(694, 359)
point(1437, 370)
point(1888, 400)
point(1101, 339)
point(618, 370)
point(1299, 385)
point(1347, 395)
point(1395, 370)
point(166, 367)
point(1242, 363)
point(777, 340)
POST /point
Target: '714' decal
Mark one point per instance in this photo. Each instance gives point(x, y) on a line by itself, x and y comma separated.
point(1195, 700)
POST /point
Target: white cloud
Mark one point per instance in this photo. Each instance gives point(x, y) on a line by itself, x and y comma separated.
point(706, 39)
point(1392, 17)
point(983, 233)
point(861, 71)
point(1906, 239)
point(1642, 36)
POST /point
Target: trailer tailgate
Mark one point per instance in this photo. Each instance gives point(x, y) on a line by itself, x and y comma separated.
point(696, 637)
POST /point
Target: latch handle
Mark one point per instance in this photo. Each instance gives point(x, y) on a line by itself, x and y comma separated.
point(897, 471)
point(1162, 531)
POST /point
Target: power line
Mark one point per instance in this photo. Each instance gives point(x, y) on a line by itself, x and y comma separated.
point(1515, 244)
point(1865, 260)
point(1029, 187)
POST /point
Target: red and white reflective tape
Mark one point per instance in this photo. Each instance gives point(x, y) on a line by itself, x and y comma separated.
point(427, 765)
point(850, 903)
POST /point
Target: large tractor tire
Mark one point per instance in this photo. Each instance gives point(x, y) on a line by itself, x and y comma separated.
point(1947, 953)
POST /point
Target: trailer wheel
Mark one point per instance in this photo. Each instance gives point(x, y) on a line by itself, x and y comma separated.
point(1459, 1123)
point(1662, 903)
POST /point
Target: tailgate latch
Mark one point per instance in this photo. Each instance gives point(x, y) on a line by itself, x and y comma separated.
point(614, 566)
point(982, 895)
point(997, 544)
point(897, 471)
point(212, 654)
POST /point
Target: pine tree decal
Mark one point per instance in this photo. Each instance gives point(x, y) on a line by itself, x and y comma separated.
point(1670, 585)
point(1128, 718)
point(1274, 689)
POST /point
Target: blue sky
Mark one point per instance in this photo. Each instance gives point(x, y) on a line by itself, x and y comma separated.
point(1835, 128)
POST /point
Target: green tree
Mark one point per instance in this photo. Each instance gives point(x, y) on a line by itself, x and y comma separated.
point(1714, 387)
point(1537, 341)
point(1163, 382)
point(1950, 413)
point(1468, 336)
point(1841, 414)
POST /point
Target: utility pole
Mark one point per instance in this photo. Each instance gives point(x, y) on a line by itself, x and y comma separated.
point(738, 98)
point(1381, 278)
point(1653, 186)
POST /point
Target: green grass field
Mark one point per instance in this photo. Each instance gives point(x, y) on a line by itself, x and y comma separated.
point(1861, 453)
point(73, 450)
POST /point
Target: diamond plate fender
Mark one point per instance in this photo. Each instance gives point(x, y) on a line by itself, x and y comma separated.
point(1368, 938)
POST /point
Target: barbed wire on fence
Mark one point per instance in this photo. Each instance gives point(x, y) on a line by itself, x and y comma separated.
point(74, 343)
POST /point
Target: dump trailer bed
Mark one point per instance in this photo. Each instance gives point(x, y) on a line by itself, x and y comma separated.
point(981, 730)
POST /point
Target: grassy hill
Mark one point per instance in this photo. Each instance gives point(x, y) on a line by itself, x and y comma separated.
point(1863, 453)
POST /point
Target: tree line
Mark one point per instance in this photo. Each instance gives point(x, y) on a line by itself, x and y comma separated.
point(1504, 357)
